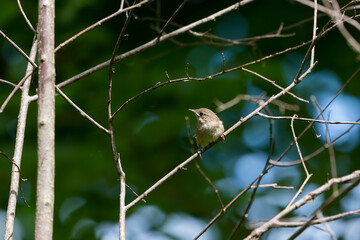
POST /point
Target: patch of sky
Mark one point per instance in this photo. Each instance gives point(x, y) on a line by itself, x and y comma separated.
point(150, 223)
point(249, 166)
point(351, 201)
point(344, 108)
point(323, 86)
point(18, 228)
point(182, 226)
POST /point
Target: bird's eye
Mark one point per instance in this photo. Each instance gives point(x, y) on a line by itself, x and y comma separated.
point(201, 113)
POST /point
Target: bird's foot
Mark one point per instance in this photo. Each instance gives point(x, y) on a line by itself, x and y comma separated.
point(222, 136)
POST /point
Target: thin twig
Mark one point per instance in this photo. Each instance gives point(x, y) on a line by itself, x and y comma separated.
point(312, 58)
point(8, 82)
point(331, 13)
point(313, 154)
point(274, 83)
point(220, 213)
point(272, 185)
point(15, 89)
point(82, 113)
point(209, 38)
point(98, 23)
point(308, 119)
point(25, 17)
point(252, 198)
point(333, 217)
point(327, 227)
point(299, 191)
point(19, 49)
point(315, 221)
point(236, 125)
point(254, 98)
point(178, 32)
point(296, 81)
point(297, 145)
point(258, 232)
point(312, 122)
point(154, 42)
point(116, 155)
point(171, 18)
point(162, 180)
point(187, 78)
point(328, 143)
point(199, 168)
point(219, 41)
point(210, 183)
point(191, 141)
point(355, 181)
point(18, 172)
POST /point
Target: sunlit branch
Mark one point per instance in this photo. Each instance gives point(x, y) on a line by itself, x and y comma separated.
point(98, 23)
point(258, 232)
point(155, 41)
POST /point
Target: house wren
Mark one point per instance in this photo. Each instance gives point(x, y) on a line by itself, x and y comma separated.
point(209, 127)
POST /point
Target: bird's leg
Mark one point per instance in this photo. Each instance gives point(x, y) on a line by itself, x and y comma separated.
point(222, 136)
point(199, 152)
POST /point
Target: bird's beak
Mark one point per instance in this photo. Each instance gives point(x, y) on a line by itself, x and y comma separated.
point(194, 111)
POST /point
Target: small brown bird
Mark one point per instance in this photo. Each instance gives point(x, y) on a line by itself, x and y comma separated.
point(209, 127)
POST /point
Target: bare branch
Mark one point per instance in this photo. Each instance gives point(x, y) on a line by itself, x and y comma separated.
point(249, 116)
point(338, 18)
point(335, 217)
point(19, 49)
point(307, 119)
point(18, 86)
point(161, 181)
point(211, 39)
point(330, 145)
point(313, 154)
point(155, 41)
point(82, 113)
point(272, 185)
point(297, 147)
point(312, 58)
point(252, 198)
point(98, 23)
point(354, 182)
point(19, 143)
point(312, 122)
point(116, 155)
point(252, 98)
point(207, 179)
point(8, 82)
point(274, 83)
point(171, 18)
point(258, 232)
point(299, 191)
point(188, 78)
point(198, 166)
point(25, 17)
